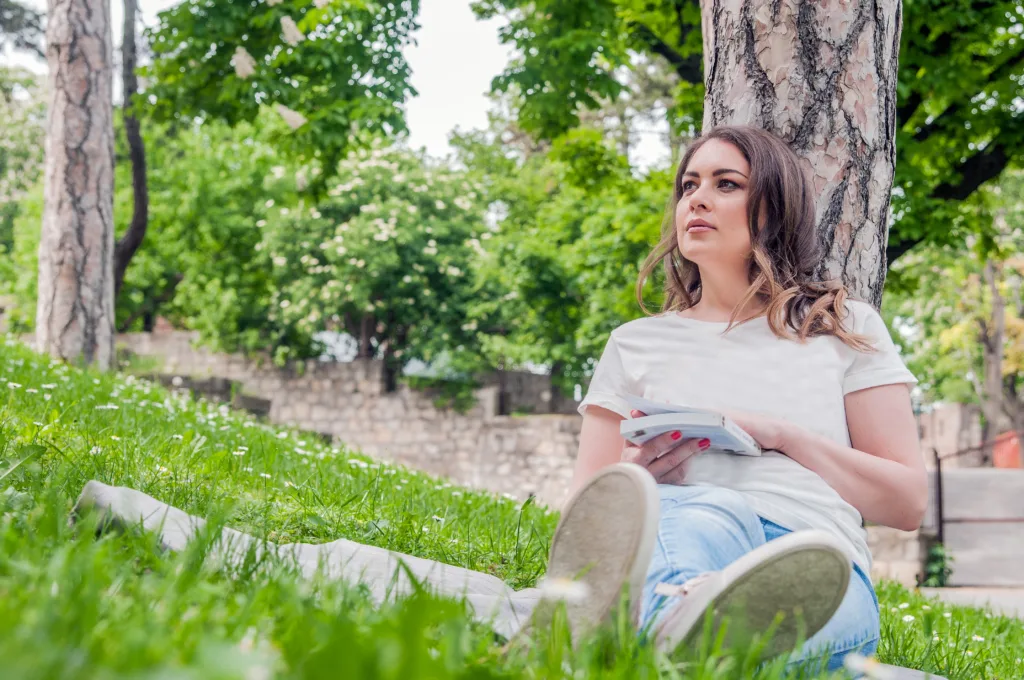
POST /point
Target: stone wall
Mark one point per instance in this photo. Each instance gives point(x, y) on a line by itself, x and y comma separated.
point(897, 555)
point(518, 455)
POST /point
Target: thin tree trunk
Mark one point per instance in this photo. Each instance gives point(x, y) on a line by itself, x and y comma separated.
point(75, 312)
point(992, 335)
point(366, 328)
point(132, 238)
point(822, 76)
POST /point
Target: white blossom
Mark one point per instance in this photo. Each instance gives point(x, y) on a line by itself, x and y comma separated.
point(320, 4)
point(908, 618)
point(292, 35)
point(243, 62)
point(294, 119)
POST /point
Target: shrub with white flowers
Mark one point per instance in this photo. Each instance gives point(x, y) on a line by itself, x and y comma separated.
point(386, 256)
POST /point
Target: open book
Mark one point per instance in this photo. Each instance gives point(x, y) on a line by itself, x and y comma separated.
point(724, 434)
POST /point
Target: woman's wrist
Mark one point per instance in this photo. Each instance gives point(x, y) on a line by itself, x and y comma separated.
point(791, 439)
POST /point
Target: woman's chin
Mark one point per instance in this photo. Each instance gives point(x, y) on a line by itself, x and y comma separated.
point(695, 251)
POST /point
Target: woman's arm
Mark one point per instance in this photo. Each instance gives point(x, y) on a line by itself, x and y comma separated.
point(600, 444)
point(882, 474)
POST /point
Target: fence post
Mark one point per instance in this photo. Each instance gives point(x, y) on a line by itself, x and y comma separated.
point(939, 519)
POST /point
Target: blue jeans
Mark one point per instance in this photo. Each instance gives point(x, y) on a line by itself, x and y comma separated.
point(705, 528)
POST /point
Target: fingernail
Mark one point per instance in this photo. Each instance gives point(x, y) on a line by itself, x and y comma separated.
point(676, 435)
point(704, 443)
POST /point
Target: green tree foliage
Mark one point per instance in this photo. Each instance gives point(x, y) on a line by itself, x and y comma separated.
point(237, 252)
point(336, 65)
point(558, 276)
point(23, 121)
point(961, 79)
point(942, 302)
point(196, 266)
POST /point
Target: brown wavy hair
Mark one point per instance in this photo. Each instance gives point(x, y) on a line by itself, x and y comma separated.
point(786, 253)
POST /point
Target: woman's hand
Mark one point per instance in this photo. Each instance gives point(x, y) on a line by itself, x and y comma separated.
point(769, 433)
point(667, 457)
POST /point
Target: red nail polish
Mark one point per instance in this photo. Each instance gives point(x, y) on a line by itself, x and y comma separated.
point(704, 443)
point(676, 435)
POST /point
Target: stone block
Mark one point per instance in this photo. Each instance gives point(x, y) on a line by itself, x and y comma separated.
point(905, 572)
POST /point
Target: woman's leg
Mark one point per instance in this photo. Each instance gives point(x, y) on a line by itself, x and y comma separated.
point(712, 556)
point(701, 529)
point(853, 628)
point(385, 573)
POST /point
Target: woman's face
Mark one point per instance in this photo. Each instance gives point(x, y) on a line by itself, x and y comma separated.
point(711, 217)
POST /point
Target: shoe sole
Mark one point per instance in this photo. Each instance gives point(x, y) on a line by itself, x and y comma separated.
point(605, 551)
point(803, 575)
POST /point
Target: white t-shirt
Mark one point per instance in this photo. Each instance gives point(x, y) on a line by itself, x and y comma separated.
point(691, 363)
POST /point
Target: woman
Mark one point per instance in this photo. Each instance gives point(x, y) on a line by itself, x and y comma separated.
point(812, 375)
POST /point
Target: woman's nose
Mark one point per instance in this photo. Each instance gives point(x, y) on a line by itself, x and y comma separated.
point(700, 197)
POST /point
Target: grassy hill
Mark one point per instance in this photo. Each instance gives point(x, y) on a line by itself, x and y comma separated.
point(74, 605)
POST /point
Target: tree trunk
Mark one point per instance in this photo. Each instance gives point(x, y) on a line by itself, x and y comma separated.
point(132, 238)
point(992, 333)
point(366, 329)
point(822, 76)
point(75, 312)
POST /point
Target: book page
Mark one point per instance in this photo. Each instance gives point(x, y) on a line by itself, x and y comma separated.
point(653, 408)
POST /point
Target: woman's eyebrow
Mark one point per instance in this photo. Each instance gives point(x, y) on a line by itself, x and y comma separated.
point(716, 173)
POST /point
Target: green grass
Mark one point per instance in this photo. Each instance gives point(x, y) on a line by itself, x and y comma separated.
point(77, 605)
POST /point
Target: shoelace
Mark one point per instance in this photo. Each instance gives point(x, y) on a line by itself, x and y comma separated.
point(672, 590)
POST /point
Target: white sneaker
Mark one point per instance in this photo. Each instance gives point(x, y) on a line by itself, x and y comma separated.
point(604, 542)
point(803, 575)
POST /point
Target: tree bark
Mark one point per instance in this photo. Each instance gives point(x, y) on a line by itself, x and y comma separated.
point(822, 76)
point(75, 312)
point(132, 239)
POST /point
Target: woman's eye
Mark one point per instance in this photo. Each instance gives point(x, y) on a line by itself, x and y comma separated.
point(728, 184)
point(688, 185)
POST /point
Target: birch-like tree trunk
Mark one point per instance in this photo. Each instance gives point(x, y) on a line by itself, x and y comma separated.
point(821, 75)
point(75, 312)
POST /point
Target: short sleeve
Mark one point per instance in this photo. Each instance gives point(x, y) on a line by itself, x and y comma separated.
point(609, 383)
point(881, 367)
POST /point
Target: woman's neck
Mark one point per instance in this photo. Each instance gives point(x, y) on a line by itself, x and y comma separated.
point(719, 297)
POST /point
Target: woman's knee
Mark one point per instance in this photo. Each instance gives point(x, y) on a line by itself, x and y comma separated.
point(703, 500)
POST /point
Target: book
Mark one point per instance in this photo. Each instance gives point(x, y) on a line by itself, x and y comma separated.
point(694, 423)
